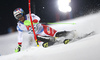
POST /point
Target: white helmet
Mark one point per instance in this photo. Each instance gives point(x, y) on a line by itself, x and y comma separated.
point(18, 11)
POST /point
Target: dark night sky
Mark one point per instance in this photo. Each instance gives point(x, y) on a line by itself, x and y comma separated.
point(48, 14)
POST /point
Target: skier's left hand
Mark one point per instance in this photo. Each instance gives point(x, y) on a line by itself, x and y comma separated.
point(18, 48)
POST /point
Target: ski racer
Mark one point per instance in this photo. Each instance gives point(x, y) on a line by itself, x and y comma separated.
point(42, 31)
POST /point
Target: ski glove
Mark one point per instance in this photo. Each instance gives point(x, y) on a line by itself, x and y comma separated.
point(18, 48)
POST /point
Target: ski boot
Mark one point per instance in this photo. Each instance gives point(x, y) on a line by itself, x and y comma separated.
point(66, 41)
point(65, 36)
point(48, 40)
point(45, 44)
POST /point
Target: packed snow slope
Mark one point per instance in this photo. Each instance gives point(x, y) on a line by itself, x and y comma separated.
point(84, 49)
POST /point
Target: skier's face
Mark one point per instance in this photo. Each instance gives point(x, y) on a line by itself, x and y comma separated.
point(22, 19)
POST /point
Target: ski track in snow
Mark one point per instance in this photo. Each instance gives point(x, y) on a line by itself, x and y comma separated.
point(84, 49)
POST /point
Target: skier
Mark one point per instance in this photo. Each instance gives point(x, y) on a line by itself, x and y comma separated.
point(44, 33)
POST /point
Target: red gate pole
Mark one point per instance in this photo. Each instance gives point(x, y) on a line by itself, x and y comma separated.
point(32, 23)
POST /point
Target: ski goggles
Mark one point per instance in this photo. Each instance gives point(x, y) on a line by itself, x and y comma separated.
point(19, 16)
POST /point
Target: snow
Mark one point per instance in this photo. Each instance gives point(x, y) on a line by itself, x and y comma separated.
point(84, 49)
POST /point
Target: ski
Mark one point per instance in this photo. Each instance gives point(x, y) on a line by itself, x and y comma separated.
point(60, 40)
point(85, 35)
point(66, 41)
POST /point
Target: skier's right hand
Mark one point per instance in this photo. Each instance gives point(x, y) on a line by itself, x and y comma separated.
point(18, 49)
